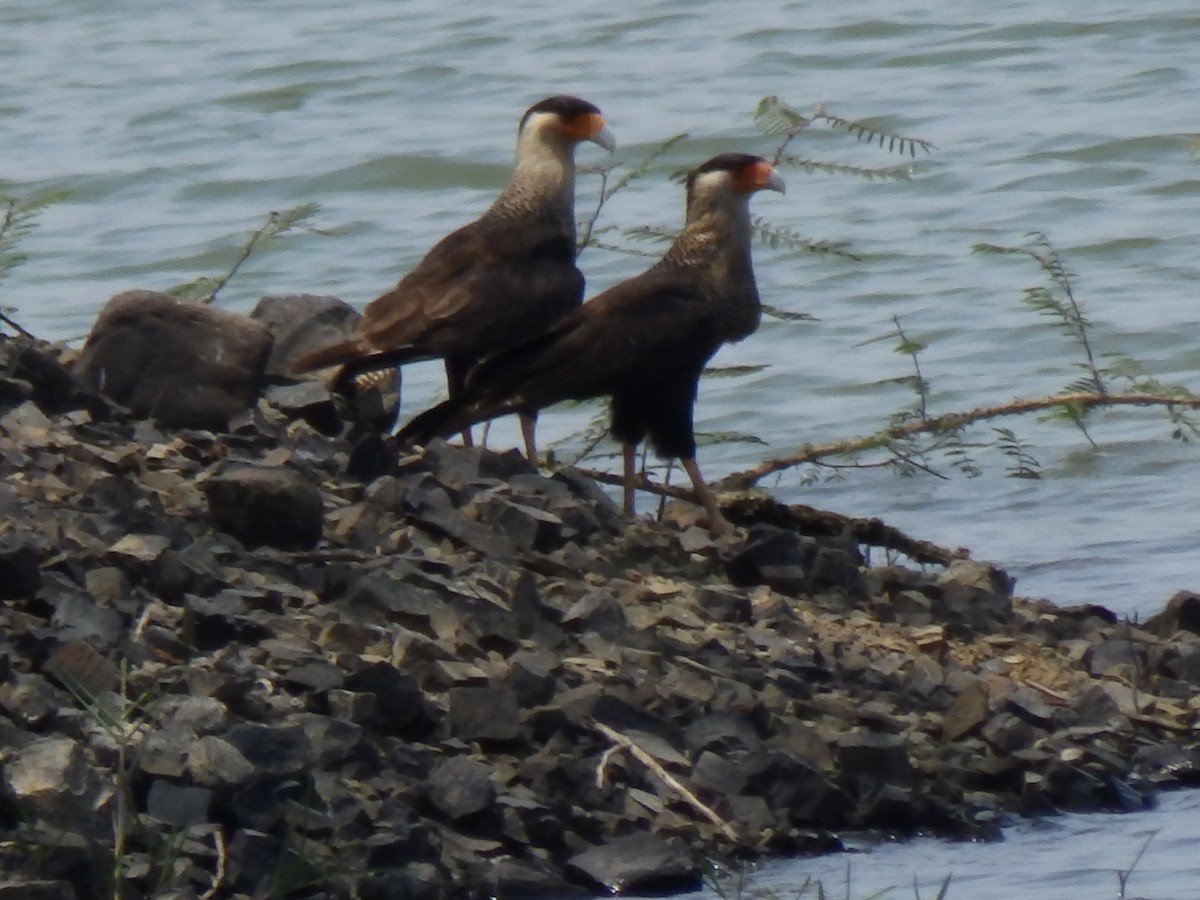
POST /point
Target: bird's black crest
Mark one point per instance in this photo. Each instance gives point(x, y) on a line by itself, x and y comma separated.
point(728, 162)
point(563, 105)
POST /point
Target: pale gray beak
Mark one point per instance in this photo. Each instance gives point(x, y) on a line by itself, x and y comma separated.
point(605, 138)
point(775, 182)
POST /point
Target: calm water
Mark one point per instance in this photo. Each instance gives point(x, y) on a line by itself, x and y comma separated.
point(177, 127)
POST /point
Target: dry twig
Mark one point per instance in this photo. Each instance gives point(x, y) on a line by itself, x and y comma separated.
point(627, 743)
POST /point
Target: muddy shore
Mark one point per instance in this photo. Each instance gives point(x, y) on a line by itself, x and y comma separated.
point(248, 650)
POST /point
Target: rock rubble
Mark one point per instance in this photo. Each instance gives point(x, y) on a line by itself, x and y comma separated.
point(240, 660)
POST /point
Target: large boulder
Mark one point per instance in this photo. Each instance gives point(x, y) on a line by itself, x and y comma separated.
point(182, 363)
point(300, 323)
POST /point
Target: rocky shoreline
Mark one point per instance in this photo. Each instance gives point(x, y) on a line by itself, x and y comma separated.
point(248, 652)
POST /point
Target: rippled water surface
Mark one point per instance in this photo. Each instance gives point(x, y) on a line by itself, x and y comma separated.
point(1065, 858)
point(177, 127)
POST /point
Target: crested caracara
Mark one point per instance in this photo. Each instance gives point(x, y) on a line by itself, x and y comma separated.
point(503, 278)
point(644, 342)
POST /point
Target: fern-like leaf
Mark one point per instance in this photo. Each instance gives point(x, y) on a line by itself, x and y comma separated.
point(787, 315)
point(889, 173)
point(713, 438)
point(895, 143)
point(732, 371)
point(18, 219)
point(775, 236)
point(774, 116)
point(1021, 463)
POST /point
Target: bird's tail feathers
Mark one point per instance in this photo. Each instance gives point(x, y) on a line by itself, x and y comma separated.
point(354, 368)
point(447, 418)
point(332, 355)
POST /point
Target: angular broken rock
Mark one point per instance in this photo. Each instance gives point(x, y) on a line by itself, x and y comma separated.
point(967, 712)
point(260, 505)
point(184, 364)
point(637, 864)
point(460, 787)
point(20, 575)
point(52, 780)
point(300, 323)
point(773, 556)
point(213, 761)
point(178, 805)
point(484, 714)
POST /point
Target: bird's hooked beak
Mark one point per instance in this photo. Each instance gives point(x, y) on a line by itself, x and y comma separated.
point(757, 175)
point(765, 177)
point(600, 133)
point(590, 127)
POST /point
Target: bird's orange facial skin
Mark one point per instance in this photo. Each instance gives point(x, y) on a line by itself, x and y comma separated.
point(582, 127)
point(753, 177)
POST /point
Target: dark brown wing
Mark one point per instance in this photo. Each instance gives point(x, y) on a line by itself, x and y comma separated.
point(481, 287)
point(653, 327)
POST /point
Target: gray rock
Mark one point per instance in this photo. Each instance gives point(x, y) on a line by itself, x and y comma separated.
point(30, 700)
point(725, 606)
point(977, 595)
point(637, 864)
point(530, 680)
point(330, 740)
point(400, 706)
point(351, 706)
point(419, 881)
point(791, 786)
point(1007, 733)
point(311, 401)
point(890, 808)
point(721, 732)
point(527, 527)
point(1182, 613)
point(1115, 654)
point(1031, 708)
point(489, 714)
point(177, 805)
point(184, 364)
point(164, 750)
point(967, 712)
point(460, 787)
point(1070, 788)
point(299, 323)
point(718, 775)
point(874, 757)
point(273, 749)
point(78, 617)
point(214, 762)
point(271, 506)
point(36, 890)
point(775, 557)
point(596, 612)
point(52, 781)
point(1096, 706)
point(511, 878)
point(20, 576)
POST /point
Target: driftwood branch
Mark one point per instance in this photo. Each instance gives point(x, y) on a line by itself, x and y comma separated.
point(748, 508)
point(627, 743)
point(950, 422)
point(752, 508)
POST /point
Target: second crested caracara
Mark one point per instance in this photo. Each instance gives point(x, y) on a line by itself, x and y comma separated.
point(643, 342)
point(506, 276)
